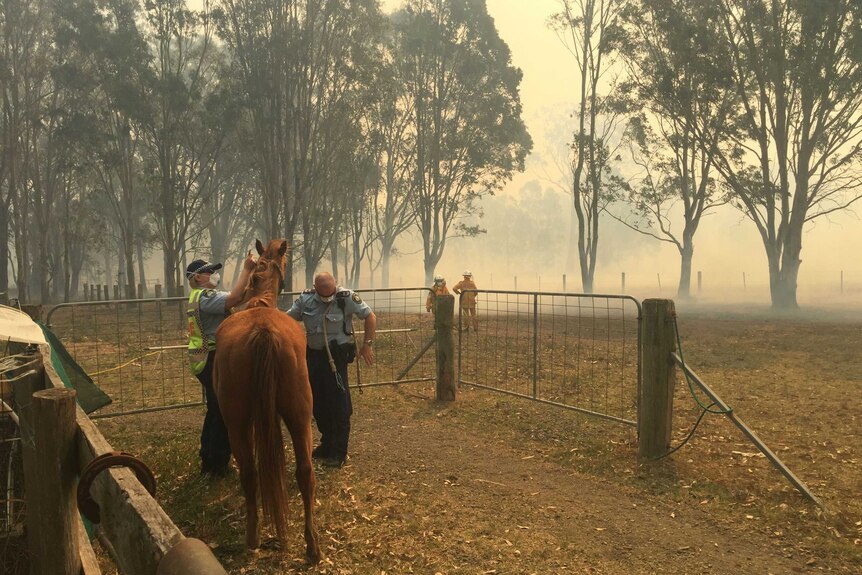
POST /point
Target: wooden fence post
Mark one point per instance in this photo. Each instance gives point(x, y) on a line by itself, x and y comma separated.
point(56, 466)
point(443, 324)
point(105, 290)
point(158, 291)
point(655, 408)
point(86, 291)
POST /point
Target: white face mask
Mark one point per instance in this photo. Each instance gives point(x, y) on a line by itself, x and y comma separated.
point(215, 279)
point(327, 298)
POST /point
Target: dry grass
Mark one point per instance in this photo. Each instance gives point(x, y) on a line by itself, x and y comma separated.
point(495, 484)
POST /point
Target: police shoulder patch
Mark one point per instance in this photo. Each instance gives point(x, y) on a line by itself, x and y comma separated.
point(208, 293)
point(342, 293)
point(309, 290)
point(356, 298)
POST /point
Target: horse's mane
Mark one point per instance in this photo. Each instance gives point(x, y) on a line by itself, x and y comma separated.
point(267, 279)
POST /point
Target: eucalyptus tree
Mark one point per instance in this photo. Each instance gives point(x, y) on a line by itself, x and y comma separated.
point(232, 209)
point(25, 84)
point(680, 83)
point(347, 62)
point(591, 31)
point(795, 157)
point(360, 233)
point(111, 73)
point(466, 114)
point(184, 133)
point(389, 120)
point(297, 60)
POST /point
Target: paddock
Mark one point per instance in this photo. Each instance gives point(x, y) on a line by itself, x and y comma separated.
point(496, 483)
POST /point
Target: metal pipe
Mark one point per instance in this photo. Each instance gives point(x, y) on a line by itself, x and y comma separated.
point(190, 557)
point(748, 432)
point(535, 344)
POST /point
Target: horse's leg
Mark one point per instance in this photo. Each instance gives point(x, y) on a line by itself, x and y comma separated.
point(241, 443)
point(300, 434)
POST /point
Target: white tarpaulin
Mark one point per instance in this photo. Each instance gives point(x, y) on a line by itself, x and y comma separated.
point(15, 325)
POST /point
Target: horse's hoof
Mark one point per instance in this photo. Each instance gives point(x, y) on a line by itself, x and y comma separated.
point(252, 543)
point(313, 556)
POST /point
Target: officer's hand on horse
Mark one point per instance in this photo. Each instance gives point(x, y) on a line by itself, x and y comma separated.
point(249, 264)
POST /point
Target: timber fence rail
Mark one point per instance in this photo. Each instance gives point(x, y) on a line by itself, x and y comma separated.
point(578, 351)
point(58, 443)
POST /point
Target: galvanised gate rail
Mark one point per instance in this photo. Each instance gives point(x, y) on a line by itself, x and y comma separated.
point(573, 350)
point(135, 350)
point(578, 351)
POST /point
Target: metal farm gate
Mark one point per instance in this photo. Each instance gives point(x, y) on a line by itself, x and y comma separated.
point(578, 351)
point(135, 350)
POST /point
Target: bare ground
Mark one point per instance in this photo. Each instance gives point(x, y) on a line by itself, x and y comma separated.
point(491, 484)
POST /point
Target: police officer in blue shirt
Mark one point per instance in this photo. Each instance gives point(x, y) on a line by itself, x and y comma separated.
point(208, 307)
point(326, 311)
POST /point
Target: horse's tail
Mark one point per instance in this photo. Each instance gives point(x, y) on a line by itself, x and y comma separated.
point(268, 446)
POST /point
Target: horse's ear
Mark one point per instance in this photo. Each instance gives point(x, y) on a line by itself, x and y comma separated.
point(259, 247)
point(283, 249)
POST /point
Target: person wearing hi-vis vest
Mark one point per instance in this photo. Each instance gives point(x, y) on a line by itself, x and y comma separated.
point(206, 310)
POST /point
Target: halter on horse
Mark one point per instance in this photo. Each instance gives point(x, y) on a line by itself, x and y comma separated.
point(261, 378)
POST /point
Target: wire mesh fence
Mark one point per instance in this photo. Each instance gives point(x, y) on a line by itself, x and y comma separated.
point(573, 350)
point(404, 334)
point(135, 350)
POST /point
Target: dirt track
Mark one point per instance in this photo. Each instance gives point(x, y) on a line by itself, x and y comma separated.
point(452, 489)
point(493, 484)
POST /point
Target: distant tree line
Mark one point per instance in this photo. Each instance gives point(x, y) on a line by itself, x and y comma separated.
point(684, 105)
point(130, 127)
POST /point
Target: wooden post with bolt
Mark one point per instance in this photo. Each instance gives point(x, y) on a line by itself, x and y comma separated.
point(655, 405)
point(443, 325)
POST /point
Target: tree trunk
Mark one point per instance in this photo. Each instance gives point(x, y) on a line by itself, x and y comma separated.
point(4, 250)
point(108, 275)
point(122, 271)
point(430, 265)
point(785, 284)
point(586, 276)
point(686, 254)
point(385, 257)
point(139, 244)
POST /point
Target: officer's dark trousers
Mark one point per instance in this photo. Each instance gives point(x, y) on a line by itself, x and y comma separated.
point(332, 406)
point(215, 446)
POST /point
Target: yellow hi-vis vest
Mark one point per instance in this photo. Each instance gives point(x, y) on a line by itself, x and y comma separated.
point(199, 343)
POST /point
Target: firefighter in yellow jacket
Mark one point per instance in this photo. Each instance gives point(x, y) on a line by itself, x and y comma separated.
point(439, 288)
point(468, 300)
point(206, 310)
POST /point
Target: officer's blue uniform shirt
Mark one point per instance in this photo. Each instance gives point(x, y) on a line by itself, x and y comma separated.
point(310, 310)
point(212, 311)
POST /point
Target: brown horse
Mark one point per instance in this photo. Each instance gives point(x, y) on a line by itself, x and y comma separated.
point(260, 377)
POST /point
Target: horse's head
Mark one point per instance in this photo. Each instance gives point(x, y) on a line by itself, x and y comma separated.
point(267, 279)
